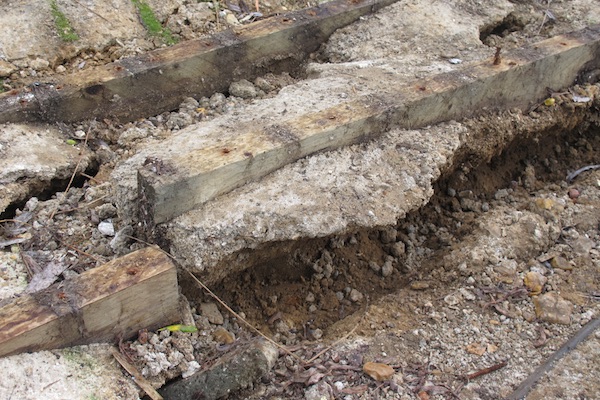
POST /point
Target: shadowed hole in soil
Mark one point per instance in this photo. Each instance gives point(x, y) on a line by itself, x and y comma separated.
point(510, 23)
point(299, 290)
point(45, 190)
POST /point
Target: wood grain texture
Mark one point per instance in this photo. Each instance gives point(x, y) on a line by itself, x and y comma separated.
point(118, 299)
point(158, 81)
point(216, 162)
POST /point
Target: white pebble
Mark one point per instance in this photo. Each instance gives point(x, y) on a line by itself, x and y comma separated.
point(106, 228)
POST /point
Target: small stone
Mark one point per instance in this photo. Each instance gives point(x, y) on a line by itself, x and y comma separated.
point(106, 211)
point(179, 120)
point(419, 285)
point(501, 194)
point(6, 68)
point(491, 348)
point(355, 296)
point(387, 269)
point(39, 64)
point(559, 262)
point(61, 69)
point(223, 336)
point(467, 294)
point(310, 297)
point(189, 104)
point(374, 266)
point(582, 245)
point(32, 204)
point(398, 249)
point(550, 307)
point(476, 348)
point(193, 367)
point(452, 299)
point(317, 333)
point(244, 89)
point(319, 391)
point(535, 282)
point(217, 100)
point(212, 313)
point(388, 235)
point(106, 228)
point(573, 194)
point(263, 84)
point(378, 371)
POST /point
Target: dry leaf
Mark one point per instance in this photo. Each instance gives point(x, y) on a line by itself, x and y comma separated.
point(223, 336)
point(476, 348)
point(378, 371)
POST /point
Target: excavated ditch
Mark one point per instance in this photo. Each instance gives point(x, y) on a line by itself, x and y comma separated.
point(314, 284)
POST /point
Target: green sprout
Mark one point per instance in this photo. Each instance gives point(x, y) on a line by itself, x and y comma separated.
point(151, 23)
point(63, 26)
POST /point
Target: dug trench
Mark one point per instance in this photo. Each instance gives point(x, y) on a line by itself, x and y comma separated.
point(314, 284)
point(382, 284)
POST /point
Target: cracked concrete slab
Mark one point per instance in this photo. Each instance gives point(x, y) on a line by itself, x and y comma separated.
point(32, 157)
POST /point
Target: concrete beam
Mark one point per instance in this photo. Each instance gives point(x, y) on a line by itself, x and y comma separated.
point(184, 177)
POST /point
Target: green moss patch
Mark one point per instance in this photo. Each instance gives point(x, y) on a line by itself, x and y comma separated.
point(151, 23)
point(63, 27)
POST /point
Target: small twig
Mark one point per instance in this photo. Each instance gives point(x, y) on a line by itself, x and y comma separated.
point(485, 371)
point(29, 262)
point(91, 178)
point(74, 173)
point(92, 11)
point(138, 378)
point(84, 253)
point(216, 3)
point(248, 324)
point(546, 11)
point(214, 296)
point(326, 349)
point(81, 207)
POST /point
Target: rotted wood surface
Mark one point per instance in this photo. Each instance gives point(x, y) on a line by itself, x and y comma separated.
point(158, 81)
point(118, 299)
point(185, 177)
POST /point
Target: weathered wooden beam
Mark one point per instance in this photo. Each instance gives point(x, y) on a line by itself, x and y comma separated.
point(159, 80)
point(198, 166)
point(117, 299)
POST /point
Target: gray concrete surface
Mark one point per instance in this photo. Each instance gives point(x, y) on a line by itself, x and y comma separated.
point(32, 156)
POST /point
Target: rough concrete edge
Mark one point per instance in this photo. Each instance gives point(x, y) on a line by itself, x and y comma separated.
point(232, 372)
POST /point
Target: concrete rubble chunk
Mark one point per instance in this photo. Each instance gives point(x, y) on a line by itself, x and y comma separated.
point(234, 371)
point(31, 156)
point(550, 307)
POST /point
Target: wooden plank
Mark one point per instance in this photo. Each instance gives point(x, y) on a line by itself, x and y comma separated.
point(158, 81)
point(117, 299)
point(213, 163)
